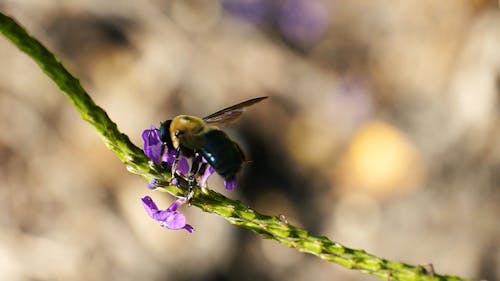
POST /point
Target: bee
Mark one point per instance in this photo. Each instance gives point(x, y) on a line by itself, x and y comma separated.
point(200, 138)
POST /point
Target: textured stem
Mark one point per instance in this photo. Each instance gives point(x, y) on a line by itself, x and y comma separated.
point(119, 143)
point(209, 201)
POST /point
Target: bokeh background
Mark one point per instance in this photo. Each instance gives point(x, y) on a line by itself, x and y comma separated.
point(382, 133)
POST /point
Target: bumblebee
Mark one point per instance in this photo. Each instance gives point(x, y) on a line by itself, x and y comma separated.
point(200, 138)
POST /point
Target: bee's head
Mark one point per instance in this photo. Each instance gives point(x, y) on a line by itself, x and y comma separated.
point(187, 130)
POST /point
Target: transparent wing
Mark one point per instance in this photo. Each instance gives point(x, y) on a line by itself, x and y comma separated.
point(230, 114)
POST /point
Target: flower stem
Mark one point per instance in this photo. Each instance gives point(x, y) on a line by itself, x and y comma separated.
point(207, 200)
point(119, 143)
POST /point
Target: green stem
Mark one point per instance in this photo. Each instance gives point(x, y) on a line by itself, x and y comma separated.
point(119, 143)
point(207, 200)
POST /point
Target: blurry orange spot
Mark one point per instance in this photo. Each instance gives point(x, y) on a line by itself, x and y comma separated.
point(381, 161)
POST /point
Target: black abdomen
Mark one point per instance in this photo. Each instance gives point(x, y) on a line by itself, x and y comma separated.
point(223, 154)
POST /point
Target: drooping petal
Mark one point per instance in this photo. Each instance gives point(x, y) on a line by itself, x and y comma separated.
point(152, 144)
point(168, 218)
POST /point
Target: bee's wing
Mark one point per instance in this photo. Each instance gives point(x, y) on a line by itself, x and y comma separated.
point(230, 114)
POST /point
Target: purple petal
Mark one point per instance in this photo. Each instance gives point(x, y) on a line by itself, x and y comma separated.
point(183, 166)
point(177, 203)
point(174, 181)
point(153, 184)
point(204, 178)
point(174, 221)
point(162, 215)
point(189, 228)
point(152, 144)
point(168, 157)
point(168, 218)
point(149, 206)
point(230, 184)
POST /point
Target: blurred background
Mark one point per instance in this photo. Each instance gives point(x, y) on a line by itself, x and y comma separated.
point(382, 133)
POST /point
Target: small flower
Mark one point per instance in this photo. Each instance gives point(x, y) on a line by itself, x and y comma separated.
point(152, 144)
point(153, 184)
point(168, 218)
point(230, 184)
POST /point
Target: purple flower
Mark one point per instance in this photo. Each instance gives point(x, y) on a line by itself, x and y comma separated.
point(252, 11)
point(303, 21)
point(152, 144)
point(168, 218)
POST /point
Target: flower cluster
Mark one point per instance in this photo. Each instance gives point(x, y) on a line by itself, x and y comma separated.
point(162, 156)
point(154, 150)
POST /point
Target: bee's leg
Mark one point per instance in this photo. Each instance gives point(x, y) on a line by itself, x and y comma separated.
point(191, 177)
point(174, 164)
point(176, 161)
